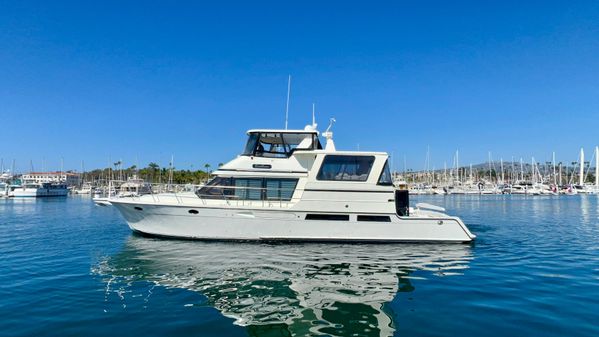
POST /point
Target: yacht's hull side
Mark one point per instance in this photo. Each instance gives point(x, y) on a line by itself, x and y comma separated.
point(204, 223)
point(38, 193)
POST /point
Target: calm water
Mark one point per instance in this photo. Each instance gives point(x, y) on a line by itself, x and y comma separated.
point(69, 268)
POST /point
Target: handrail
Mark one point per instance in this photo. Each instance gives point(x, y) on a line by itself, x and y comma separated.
point(231, 195)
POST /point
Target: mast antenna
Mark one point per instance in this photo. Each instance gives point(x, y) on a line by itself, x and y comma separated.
point(313, 115)
point(287, 105)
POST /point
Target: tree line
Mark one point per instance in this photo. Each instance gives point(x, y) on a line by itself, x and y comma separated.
point(152, 173)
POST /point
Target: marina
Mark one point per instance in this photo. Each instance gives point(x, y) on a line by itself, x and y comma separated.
point(296, 169)
point(532, 268)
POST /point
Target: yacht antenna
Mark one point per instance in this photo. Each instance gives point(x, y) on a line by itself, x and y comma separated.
point(287, 105)
point(313, 115)
point(330, 145)
point(331, 121)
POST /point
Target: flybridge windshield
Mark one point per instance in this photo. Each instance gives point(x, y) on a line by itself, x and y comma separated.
point(279, 145)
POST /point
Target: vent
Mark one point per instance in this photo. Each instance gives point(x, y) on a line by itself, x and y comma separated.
point(262, 166)
point(330, 217)
point(193, 211)
point(374, 218)
point(138, 208)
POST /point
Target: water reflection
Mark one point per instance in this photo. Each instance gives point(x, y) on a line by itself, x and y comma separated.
point(286, 290)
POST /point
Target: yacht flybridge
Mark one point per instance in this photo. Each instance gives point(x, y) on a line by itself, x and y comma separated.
point(286, 187)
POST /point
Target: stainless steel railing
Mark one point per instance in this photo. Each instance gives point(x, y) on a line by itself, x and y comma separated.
point(213, 194)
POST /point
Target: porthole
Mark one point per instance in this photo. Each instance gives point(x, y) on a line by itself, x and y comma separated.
point(138, 208)
point(193, 211)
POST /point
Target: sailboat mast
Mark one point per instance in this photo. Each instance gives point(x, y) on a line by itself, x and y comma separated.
point(597, 167)
point(521, 169)
point(502, 176)
point(445, 172)
point(533, 173)
point(470, 172)
point(581, 173)
point(490, 177)
point(560, 174)
point(554, 177)
point(457, 163)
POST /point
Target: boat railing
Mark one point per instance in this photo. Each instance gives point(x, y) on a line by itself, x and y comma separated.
point(234, 196)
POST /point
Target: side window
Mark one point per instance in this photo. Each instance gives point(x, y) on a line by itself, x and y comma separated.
point(217, 188)
point(250, 146)
point(345, 168)
point(248, 189)
point(385, 178)
point(280, 189)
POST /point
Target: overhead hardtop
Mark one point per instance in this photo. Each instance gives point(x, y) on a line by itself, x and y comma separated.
point(310, 131)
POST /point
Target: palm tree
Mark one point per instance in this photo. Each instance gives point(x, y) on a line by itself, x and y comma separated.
point(153, 167)
point(207, 167)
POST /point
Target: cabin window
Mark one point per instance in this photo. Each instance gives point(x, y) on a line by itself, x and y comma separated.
point(250, 146)
point(345, 168)
point(217, 188)
point(248, 189)
point(280, 189)
point(385, 178)
point(330, 217)
point(279, 144)
point(374, 218)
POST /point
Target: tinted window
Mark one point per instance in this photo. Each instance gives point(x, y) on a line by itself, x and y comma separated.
point(385, 178)
point(345, 168)
point(251, 144)
point(216, 188)
point(280, 189)
point(249, 189)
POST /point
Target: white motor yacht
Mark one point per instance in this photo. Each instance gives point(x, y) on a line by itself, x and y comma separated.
point(86, 188)
point(5, 182)
point(286, 187)
point(4, 188)
point(524, 187)
point(37, 190)
point(133, 187)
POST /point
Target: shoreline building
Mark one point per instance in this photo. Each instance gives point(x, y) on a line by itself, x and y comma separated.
point(69, 178)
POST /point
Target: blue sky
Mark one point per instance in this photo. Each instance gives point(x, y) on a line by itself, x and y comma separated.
point(139, 81)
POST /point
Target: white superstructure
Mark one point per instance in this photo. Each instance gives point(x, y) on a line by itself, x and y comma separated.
point(285, 186)
point(86, 188)
point(5, 179)
point(36, 190)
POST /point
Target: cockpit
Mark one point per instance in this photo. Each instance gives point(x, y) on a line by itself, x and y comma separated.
point(280, 143)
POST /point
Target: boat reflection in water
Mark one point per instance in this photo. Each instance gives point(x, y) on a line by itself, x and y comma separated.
point(295, 289)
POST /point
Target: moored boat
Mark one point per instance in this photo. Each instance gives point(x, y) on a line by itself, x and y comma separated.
point(286, 187)
point(37, 190)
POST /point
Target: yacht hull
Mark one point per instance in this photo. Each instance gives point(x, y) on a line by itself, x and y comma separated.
point(192, 222)
point(38, 193)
